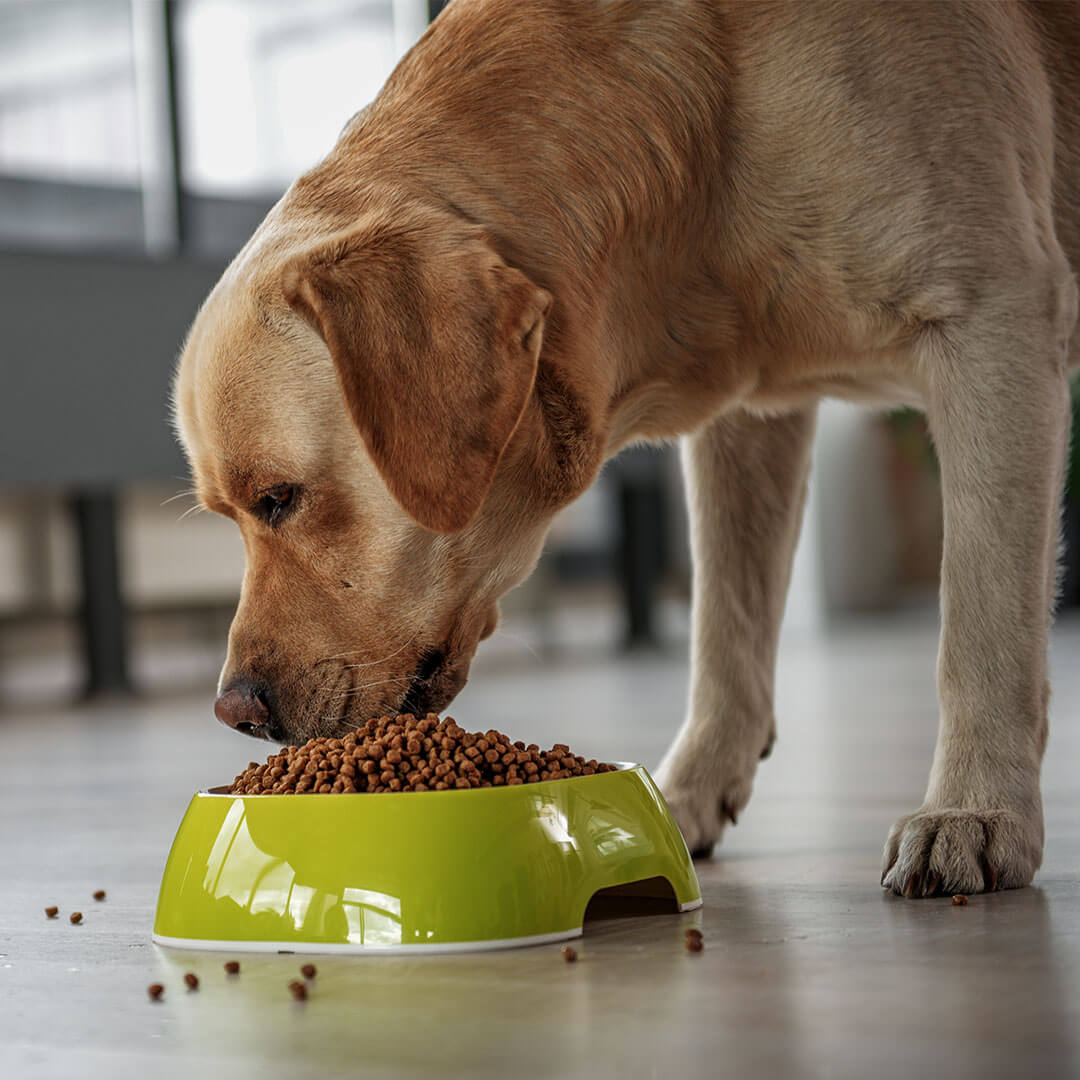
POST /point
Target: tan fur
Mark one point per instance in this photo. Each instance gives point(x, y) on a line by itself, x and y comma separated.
point(562, 227)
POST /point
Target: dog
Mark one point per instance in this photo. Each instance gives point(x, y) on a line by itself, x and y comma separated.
point(564, 227)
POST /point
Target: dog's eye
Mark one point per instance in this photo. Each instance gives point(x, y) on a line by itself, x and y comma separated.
point(274, 504)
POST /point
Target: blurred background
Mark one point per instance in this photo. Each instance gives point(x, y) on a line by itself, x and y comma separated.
point(141, 141)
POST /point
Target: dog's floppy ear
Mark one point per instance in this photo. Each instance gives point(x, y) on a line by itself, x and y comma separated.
point(436, 353)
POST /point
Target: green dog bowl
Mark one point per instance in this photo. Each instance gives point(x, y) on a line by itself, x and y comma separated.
point(413, 872)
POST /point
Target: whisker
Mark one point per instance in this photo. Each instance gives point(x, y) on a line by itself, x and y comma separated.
point(389, 656)
point(335, 700)
point(188, 493)
point(369, 663)
point(499, 632)
point(332, 700)
point(368, 686)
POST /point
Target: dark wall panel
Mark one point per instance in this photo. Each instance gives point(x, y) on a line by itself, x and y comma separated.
point(87, 350)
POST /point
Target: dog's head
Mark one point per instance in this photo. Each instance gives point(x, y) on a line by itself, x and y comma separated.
point(349, 403)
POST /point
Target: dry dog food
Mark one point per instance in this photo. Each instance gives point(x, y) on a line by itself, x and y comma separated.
point(308, 971)
point(694, 944)
point(569, 953)
point(51, 912)
point(99, 895)
point(959, 900)
point(155, 990)
point(402, 753)
point(693, 932)
point(298, 990)
point(76, 917)
point(232, 967)
point(192, 980)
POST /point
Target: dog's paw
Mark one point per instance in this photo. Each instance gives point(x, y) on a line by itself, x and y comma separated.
point(703, 803)
point(702, 816)
point(940, 852)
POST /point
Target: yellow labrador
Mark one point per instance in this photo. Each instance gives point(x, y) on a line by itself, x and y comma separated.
point(562, 227)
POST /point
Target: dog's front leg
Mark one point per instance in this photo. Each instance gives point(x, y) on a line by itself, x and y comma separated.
point(998, 409)
point(746, 483)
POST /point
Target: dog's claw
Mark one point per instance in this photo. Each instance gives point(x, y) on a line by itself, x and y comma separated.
point(911, 886)
point(990, 877)
point(731, 814)
point(933, 884)
point(885, 872)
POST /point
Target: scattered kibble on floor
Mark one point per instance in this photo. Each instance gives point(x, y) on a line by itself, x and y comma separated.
point(51, 912)
point(76, 917)
point(155, 990)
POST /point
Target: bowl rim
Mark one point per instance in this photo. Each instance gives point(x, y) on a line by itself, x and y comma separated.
point(221, 791)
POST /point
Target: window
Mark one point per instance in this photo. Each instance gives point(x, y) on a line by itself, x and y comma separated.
point(260, 91)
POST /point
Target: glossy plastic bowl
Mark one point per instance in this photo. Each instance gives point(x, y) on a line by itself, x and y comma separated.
point(434, 871)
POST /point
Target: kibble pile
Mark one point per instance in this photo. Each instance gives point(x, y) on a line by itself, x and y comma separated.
point(402, 753)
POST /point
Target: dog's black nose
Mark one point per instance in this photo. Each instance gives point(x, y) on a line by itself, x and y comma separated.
point(241, 706)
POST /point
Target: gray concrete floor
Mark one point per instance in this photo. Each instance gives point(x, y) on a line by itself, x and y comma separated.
point(810, 970)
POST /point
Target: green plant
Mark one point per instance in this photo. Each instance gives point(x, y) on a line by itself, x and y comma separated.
point(913, 437)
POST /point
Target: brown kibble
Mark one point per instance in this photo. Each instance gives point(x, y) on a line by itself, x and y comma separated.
point(694, 932)
point(155, 990)
point(569, 953)
point(298, 990)
point(309, 971)
point(76, 917)
point(959, 900)
point(51, 912)
point(404, 753)
point(192, 980)
point(232, 967)
point(694, 944)
point(99, 895)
